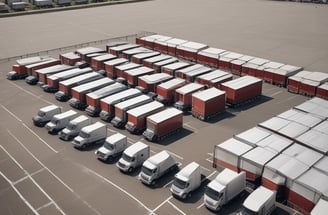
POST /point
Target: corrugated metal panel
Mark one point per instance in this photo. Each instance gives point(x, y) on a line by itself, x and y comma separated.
point(189, 88)
point(321, 208)
point(253, 136)
point(275, 142)
point(303, 154)
point(322, 165)
point(315, 139)
point(208, 94)
point(300, 117)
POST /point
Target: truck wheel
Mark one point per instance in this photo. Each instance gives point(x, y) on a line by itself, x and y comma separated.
point(153, 182)
point(84, 146)
point(110, 159)
point(184, 196)
point(130, 170)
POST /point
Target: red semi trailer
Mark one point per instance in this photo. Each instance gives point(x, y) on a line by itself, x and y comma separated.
point(110, 66)
point(226, 58)
point(163, 124)
point(237, 64)
point(149, 62)
point(208, 103)
point(183, 96)
point(70, 58)
point(117, 50)
point(172, 45)
point(189, 50)
point(159, 65)
point(97, 63)
point(205, 79)
point(173, 67)
point(133, 74)
point(166, 91)
point(139, 58)
point(121, 69)
point(83, 52)
point(148, 83)
point(210, 56)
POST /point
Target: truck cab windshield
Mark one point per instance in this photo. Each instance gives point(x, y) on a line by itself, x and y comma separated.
point(147, 171)
point(246, 211)
point(213, 194)
point(127, 158)
point(41, 113)
point(71, 126)
point(109, 146)
point(84, 135)
point(55, 121)
point(180, 184)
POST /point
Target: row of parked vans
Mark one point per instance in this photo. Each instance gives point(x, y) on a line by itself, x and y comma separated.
point(225, 187)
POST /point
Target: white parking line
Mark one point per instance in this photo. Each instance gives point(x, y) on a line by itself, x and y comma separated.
point(170, 182)
point(53, 174)
point(210, 154)
point(191, 127)
point(210, 175)
point(34, 182)
point(11, 113)
point(119, 188)
point(200, 206)
point(276, 93)
point(176, 208)
point(160, 205)
point(19, 194)
point(44, 206)
point(24, 178)
point(204, 168)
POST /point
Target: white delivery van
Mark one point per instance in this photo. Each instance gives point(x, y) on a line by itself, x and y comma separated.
point(45, 114)
point(73, 127)
point(133, 157)
point(260, 202)
point(114, 146)
point(59, 121)
point(227, 185)
point(156, 166)
point(92, 134)
point(186, 180)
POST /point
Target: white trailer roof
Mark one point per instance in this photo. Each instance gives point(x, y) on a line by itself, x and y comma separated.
point(232, 55)
point(258, 61)
point(88, 76)
point(164, 115)
point(315, 140)
point(32, 60)
point(273, 65)
point(135, 148)
point(177, 65)
point(189, 88)
point(137, 51)
point(226, 176)
point(158, 58)
point(91, 85)
point(241, 82)
point(128, 66)
point(293, 168)
point(192, 46)
point(319, 101)
point(220, 79)
point(93, 127)
point(212, 75)
point(127, 103)
point(190, 68)
point(320, 208)
point(288, 70)
point(274, 123)
point(258, 198)
point(310, 82)
point(172, 83)
point(238, 62)
point(165, 62)
point(88, 50)
point(121, 96)
point(50, 69)
point(324, 86)
point(322, 127)
point(303, 154)
point(155, 78)
point(317, 76)
point(104, 57)
point(246, 58)
point(156, 37)
point(146, 108)
point(70, 73)
point(322, 164)
point(276, 163)
point(275, 142)
point(259, 155)
point(212, 52)
point(235, 147)
point(315, 181)
point(300, 117)
point(41, 63)
point(106, 91)
point(293, 130)
point(175, 42)
point(124, 47)
point(253, 136)
point(65, 114)
point(208, 94)
point(139, 71)
point(48, 108)
point(313, 108)
point(198, 71)
point(116, 61)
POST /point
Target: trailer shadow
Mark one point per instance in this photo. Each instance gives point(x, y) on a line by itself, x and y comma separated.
point(249, 104)
point(221, 116)
point(172, 138)
point(197, 194)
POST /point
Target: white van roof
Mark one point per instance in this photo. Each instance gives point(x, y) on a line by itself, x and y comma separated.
point(65, 114)
point(79, 119)
point(138, 146)
point(93, 127)
point(258, 197)
point(49, 108)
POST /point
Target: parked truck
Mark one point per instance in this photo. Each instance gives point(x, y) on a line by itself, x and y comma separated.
point(166, 91)
point(95, 133)
point(173, 67)
point(53, 80)
point(31, 78)
point(156, 166)
point(121, 70)
point(139, 58)
point(74, 127)
point(60, 121)
point(260, 202)
point(97, 63)
point(186, 181)
point(148, 83)
point(110, 66)
point(121, 109)
point(136, 120)
point(45, 114)
point(64, 92)
point(149, 62)
point(133, 157)
point(107, 104)
point(83, 52)
point(93, 98)
point(133, 74)
point(70, 58)
point(158, 66)
point(163, 124)
point(114, 146)
point(42, 74)
point(183, 96)
point(78, 99)
point(19, 69)
point(226, 186)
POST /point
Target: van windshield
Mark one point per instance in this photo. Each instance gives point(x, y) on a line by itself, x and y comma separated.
point(246, 211)
point(127, 158)
point(109, 146)
point(71, 126)
point(146, 170)
point(41, 113)
point(212, 193)
point(180, 184)
point(84, 135)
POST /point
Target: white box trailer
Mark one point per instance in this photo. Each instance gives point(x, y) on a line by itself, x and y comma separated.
point(41, 74)
point(228, 154)
point(45, 114)
point(114, 146)
point(261, 202)
point(315, 140)
point(253, 135)
point(300, 117)
point(275, 143)
point(74, 127)
point(92, 134)
point(320, 208)
point(225, 187)
point(186, 180)
point(59, 121)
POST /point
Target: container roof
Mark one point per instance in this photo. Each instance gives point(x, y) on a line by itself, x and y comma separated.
point(275, 142)
point(322, 164)
point(124, 47)
point(156, 37)
point(303, 154)
point(165, 62)
point(314, 180)
point(139, 71)
point(322, 127)
point(258, 197)
point(104, 57)
point(121, 96)
point(274, 123)
point(293, 129)
point(146, 108)
point(315, 140)
point(241, 82)
point(69, 73)
point(137, 50)
point(176, 65)
point(191, 68)
point(220, 79)
point(106, 90)
point(212, 52)
point(324, 86)
point(92, 84)
point(212, 75)
point(77, 79)
point(146, 54)
point(132, 101)
point(259, 155)
point(259, 61)
point(175, 42)
point(155, 78)
point(253, 136)
point(208, 94)
point(235, 147)
point(158, 58)
point(172, 83)
point(116, 61)
point(189, 88)
point(300, 117)
point(192, 46)
point(127, 66)
point(273, 65)
point(232, 55)
point(59, 67)
point(164, 115)
point(88, 50)
point(320, 208)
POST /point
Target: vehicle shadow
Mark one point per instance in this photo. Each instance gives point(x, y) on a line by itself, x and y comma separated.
point(197, 194)
point(220, 116)
point(165, 181)
point(182, 133)
point(250, 103)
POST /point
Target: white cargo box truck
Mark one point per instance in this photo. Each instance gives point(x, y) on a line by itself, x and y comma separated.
point(133, 157)
point(45, 114)
point(260, 202)
point(226, 186)
point(91, 134)
point(114, 146)
point(59, 121)
point(186, 180)
point(156, 166)
point(73, 127)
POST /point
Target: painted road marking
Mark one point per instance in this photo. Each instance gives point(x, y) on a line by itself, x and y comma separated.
point(276, 93)
point(200, 206)
point(160, 205)
point(23, 178)
point(176, 208)
point(44, 206)
point(210, 175)
point(170, 182)
point(204, 168)
point(53, 174)
point(34, 182)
